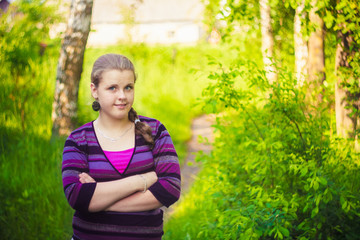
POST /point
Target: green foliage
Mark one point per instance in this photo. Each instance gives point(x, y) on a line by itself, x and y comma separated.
point(211, 14)
point(275, 171)
point(24, 30)
point(235, 18)
point(241, 12)
point(31, 191)
point(343, 18)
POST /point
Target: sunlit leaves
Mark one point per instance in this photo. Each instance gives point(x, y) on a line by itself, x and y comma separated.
point(279, 175)
point(23, 27)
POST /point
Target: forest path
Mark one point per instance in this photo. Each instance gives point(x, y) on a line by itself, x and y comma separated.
point(201, 126)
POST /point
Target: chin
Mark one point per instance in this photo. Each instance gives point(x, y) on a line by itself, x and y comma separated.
point(122, 116)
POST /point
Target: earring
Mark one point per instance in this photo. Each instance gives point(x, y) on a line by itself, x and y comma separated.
point(96, 106)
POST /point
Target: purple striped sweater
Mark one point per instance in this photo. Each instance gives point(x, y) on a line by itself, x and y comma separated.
point(82, 153)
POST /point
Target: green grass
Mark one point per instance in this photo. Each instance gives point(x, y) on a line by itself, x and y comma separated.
point(32, 203)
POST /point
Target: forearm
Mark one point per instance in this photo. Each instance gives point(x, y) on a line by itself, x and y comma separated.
point(108, 193)
point(136, 202)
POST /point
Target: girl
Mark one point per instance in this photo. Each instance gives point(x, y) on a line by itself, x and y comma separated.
point(120, 169)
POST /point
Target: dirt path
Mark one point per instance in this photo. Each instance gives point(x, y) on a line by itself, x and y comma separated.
point(201, 126)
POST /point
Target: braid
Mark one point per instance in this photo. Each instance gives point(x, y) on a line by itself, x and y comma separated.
point(141, 128)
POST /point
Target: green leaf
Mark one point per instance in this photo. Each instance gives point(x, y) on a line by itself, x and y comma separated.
point(314, 212)
point(344, 205)
point(323, 181)
point(278, 234)
point(329, 19)
point(306, 208)
point(304, 171)
point(25, 194)
point(284, 231)
point(319, 225)
point(342, 199)
point(316, 185)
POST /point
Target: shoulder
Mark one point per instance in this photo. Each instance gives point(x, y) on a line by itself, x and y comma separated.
point(156, 126)
point(148, 120)
point(81, 133)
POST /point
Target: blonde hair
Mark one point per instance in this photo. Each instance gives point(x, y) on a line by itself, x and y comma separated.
point(110, 62)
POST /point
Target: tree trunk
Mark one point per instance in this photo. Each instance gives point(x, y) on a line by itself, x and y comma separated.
point(267, 40)
point(70, 67)
point(345, 125)
point(300, 45)
point(316, 55)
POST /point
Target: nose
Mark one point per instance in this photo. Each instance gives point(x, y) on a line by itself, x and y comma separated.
point(121, 94)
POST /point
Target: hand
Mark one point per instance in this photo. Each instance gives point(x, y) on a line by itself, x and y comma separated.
point(150, 177)
point(85, 178)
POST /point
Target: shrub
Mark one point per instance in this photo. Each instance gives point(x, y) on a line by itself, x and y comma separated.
point(276, 171)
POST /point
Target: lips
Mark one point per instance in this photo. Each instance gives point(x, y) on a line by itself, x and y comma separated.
point(121, 105)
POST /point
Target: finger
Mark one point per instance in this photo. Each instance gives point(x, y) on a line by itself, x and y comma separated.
point(82, 175)
point(88, 179)
point(82, 180)
point(85, 178)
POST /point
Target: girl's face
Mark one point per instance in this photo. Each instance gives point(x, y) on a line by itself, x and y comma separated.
point(115, 93)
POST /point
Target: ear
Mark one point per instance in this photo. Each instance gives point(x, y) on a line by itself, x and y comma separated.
point(93, 91)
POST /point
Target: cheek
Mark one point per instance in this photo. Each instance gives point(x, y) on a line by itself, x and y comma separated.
point(130, 95)
point(105, 97)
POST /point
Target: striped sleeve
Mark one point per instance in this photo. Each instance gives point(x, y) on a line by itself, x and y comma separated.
point(75, 162)
point(167, 189)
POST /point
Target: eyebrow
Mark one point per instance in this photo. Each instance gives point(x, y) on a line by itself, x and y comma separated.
point(117, 84)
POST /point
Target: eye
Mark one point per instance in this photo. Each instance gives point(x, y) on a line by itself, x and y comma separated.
point(128, 87)
point(112, 88)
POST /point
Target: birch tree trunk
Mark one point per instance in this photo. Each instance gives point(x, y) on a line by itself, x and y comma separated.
point(345, 125)
point(69, 67)
point(316, 64)
point(300, 45)
point(267, 47)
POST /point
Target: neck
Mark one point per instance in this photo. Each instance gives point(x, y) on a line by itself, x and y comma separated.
point(112, 125)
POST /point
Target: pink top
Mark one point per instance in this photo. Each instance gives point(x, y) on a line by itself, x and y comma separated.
point(120, 159)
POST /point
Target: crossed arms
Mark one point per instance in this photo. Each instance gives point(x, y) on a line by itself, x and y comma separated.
point(124, 195)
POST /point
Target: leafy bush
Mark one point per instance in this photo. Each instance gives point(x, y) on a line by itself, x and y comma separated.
point(24, 52)
point(276, 171)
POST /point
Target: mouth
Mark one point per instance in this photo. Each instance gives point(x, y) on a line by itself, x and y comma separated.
point(120, 105)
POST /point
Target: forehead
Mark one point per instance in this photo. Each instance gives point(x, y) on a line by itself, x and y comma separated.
point(117, 76)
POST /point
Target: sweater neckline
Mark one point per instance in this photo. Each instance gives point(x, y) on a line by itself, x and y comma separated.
point(103, 153)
